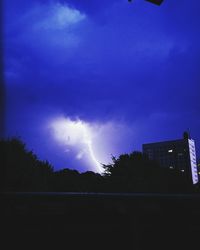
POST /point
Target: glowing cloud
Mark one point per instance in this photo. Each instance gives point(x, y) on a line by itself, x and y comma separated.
point(50, 27)
point(60, 16)
point(93, 143)
point(78, 134)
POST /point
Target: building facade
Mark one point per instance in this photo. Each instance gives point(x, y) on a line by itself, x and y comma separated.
point(177, 154)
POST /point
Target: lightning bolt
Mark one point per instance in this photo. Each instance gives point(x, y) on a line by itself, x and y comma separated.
point(88, 142)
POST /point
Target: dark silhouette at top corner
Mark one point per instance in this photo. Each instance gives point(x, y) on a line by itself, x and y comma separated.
point(157, 2)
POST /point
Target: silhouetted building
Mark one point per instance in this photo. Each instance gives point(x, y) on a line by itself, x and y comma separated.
point(177, 154)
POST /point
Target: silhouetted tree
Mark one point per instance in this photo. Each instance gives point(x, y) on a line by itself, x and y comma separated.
point(135, 172)
point(20, 168)
point(66, 180)
point(91, 182)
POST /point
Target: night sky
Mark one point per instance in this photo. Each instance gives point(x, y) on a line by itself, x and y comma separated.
point(88, 79)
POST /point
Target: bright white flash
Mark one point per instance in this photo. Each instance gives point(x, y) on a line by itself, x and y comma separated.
point(76, 133)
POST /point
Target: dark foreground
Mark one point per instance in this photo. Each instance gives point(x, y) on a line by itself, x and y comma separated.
point(81, 221)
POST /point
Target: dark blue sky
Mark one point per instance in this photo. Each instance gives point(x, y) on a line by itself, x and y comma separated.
point(88, 79)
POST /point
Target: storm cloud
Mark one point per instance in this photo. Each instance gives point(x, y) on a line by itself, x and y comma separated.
point(135, 66)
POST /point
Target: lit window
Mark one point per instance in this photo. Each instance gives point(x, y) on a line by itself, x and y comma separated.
point(170, 150)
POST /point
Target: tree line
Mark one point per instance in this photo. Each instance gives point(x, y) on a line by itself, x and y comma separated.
point(22, 171)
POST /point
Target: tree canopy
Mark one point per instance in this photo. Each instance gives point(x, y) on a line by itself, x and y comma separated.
point(21, 170)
